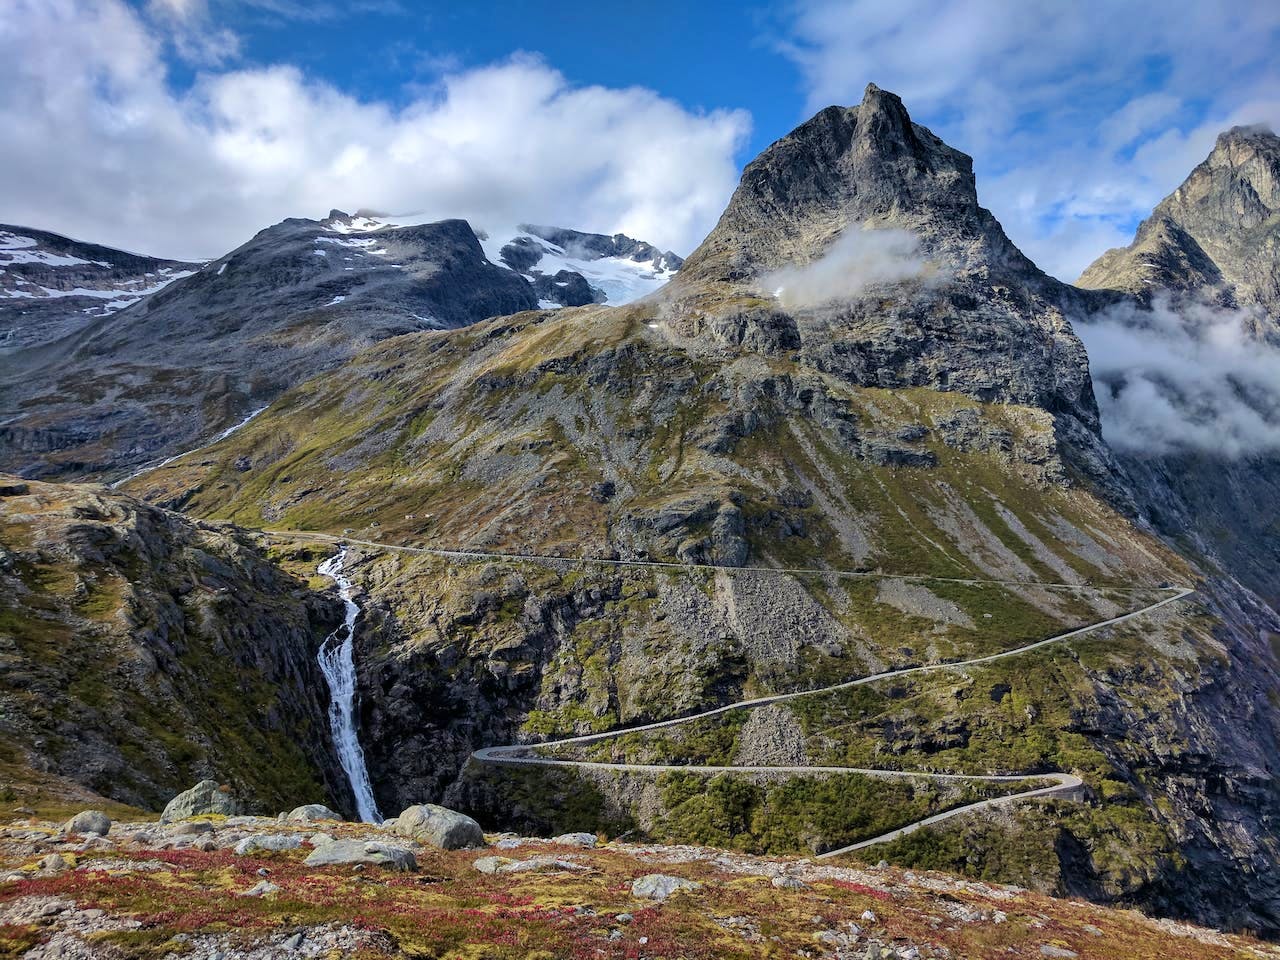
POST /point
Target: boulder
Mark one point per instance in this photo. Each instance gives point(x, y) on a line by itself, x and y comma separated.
point(438, 827)
point(206, 797)
point(789, 883)
point(659, 886)
point(268, 841)
point(584, 840)
point(312, 811)
point(89, 821)
point(532, 865)
point(492, 864)
point(344, 852)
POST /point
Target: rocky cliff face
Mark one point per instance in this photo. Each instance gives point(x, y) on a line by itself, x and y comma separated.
point(52, 286)
point(855, 372)
point(141, 652)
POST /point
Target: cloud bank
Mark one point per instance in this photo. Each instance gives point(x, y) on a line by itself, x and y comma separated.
point(1080, 116)
point(858, 258)
point(99, 144)
point(1184, 377)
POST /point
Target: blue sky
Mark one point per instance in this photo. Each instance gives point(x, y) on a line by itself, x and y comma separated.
point(181, 127)
point(704, 55)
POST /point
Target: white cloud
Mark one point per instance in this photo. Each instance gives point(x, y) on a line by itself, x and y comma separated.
point(1080, 116)
point(1184, 376)
point(858, 258)
point(99, 145)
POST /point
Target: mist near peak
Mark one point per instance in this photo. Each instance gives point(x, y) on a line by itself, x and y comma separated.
point(859, 257)
point(1185, 376)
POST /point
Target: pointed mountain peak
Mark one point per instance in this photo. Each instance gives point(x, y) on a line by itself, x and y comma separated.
point(1212, 233)
point(864, 166)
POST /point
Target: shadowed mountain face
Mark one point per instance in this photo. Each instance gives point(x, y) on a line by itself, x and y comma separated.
point(51, 286)
point(1205, 267)
point(857, 372)
point(204, 352)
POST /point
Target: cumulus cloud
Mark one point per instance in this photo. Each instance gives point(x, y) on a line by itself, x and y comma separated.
point(1183, 376)
point(100, 145)
point(858, 258)
point(1080, 116)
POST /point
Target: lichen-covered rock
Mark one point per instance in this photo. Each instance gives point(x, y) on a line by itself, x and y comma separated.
point(439, 827)
point(268, 841)
point(206, 797)
point(349, 852)
point(584, 840)
point(491, 864)
point(89, 821)
point(660, 886)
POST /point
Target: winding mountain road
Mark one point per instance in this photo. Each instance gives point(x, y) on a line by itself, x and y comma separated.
point(522, 754)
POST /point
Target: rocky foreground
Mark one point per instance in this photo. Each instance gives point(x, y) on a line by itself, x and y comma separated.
point(215, 886)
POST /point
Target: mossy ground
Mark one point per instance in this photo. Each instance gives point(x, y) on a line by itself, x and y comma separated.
point(449, 911)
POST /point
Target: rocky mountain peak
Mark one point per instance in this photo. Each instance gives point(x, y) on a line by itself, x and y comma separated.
point(868, 165)
point(1217, 234)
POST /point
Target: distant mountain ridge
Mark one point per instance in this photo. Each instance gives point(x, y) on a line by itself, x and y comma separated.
point(1210, 254)
point(187, 361)
point(51, 285)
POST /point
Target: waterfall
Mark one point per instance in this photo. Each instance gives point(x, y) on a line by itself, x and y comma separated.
point(337, 662)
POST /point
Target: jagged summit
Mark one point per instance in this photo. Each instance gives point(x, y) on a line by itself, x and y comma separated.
point(1218, 233)
point(862, 166)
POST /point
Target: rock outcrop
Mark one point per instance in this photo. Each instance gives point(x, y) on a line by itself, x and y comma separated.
point(207, 796)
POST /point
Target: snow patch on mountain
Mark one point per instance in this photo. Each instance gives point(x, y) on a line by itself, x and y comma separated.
point(544, 253)
point(617, 279)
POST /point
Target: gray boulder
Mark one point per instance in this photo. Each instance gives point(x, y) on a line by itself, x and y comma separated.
point(438, 827)
point(344, 852)
point(659, 886)
point(584, 840)
point(268, 841)
point(89, 821)
point(190, 828)
point(492, 864)
point(312, 811)
point(206, 797)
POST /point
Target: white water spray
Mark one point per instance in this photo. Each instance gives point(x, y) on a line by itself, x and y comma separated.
point(338, 664)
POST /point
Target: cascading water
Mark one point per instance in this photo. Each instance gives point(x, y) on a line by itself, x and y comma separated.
point(338, 664)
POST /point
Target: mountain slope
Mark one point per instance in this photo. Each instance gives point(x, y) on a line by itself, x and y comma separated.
point(52, 286)
point(856, 373)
